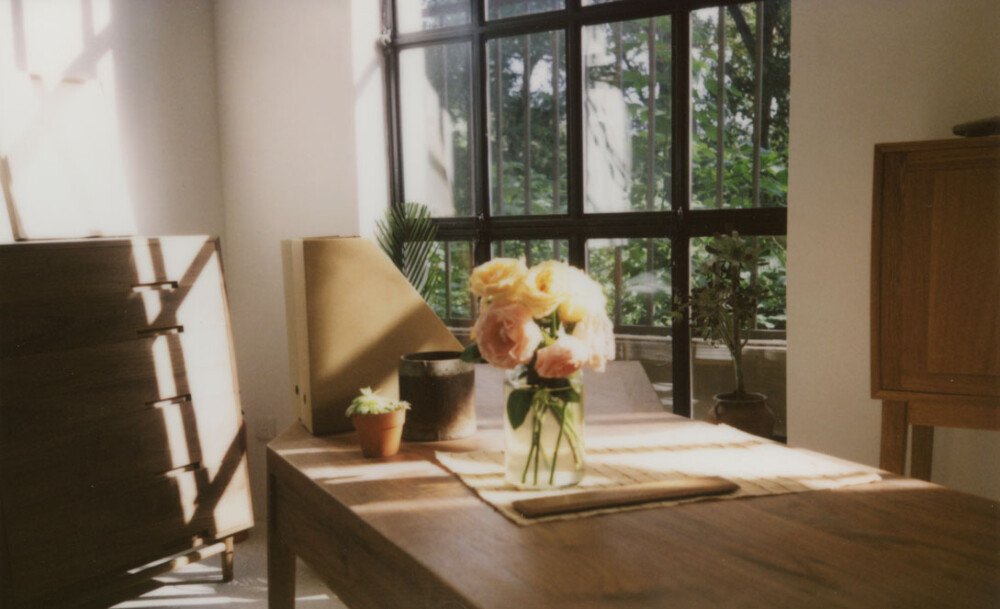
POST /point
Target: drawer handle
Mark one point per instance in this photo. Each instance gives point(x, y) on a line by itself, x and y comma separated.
point(180, 471)
point(155, 286)
point(151, 332)
point(177, 399)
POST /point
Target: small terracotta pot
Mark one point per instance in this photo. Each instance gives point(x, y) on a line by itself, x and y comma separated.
point(379, 434)
point(749, 413)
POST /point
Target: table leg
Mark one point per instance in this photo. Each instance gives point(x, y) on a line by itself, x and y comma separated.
point(280, 559)
point(922, 451)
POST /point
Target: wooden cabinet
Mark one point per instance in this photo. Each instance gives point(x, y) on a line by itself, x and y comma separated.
point(935, 292)
point(121, 437)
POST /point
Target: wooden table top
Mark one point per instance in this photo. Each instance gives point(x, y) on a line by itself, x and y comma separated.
point(412, 526)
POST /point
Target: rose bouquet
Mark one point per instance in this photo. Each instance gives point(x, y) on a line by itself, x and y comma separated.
point(542, 325)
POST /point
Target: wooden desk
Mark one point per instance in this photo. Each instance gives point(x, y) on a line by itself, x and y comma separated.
point(403, 532)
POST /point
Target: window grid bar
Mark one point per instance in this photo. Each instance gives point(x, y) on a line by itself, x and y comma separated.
point(447, 278)
point(526, 141)
point(758, 120)
point(575, 14)
point(554, 37)
point(651, 154)
point(679, 224)
point(720, 107)
point(680, 148)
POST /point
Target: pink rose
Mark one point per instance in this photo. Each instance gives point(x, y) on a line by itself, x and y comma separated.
point(597, 334)
point(506, 334)
point(562, 358)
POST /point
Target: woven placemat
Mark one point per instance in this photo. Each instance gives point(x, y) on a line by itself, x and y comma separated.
point(758, 466)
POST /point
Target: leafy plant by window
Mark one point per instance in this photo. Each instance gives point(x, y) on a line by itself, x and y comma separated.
point(724, 307)
point(406, 233)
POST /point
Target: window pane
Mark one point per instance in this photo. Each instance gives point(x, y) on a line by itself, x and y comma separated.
point(533, 251)
point(527, 123)
point(435, 93)
point(627, 115)
point(498, 9)
point(416, 15)
point(451, 263)
point(635, 275)
point(724, 117)
point(770, 277)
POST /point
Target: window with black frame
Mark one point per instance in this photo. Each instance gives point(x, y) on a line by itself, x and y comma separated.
point(618, 135)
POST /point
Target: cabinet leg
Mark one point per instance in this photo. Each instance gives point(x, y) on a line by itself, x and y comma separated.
point(922, 451)
point(227, 561)
point(893, 450)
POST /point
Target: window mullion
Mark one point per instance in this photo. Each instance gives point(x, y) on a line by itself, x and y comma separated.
point(680, 202)
point(720, 109)
point(574, 133)
point(480, 139)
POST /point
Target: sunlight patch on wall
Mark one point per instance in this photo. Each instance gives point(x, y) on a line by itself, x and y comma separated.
point(60, 161)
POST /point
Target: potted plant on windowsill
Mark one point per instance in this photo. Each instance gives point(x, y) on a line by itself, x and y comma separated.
point(722, 311)
point(379, 422)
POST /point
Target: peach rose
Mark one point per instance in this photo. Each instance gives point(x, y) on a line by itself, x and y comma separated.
point(597, 334)
point(584, 297)
point(496, 278)
point(544, 287)
point(562, 358)
point(506, 334)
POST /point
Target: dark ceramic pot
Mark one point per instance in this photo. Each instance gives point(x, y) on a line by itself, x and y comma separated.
point(748, 412)
point(441, 391)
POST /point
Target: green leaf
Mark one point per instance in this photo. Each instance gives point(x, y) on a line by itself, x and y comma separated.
point(518, 405)
point(406, 234)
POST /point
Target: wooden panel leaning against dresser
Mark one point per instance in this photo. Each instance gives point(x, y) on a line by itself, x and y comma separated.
point(935, 292)
point(121, 436)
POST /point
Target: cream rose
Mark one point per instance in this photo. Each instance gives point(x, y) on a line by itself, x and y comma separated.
point(584, 297)
point(562, 358)
point(597, 333)
point(544, 287)
point(506, 334)
point(497, 278)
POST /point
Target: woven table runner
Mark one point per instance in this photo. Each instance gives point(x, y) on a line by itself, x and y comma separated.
point(760, 467)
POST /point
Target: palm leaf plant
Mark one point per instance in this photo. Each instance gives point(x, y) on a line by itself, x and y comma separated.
point(406, 234)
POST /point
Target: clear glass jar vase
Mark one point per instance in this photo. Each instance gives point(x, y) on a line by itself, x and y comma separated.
point(543, 430)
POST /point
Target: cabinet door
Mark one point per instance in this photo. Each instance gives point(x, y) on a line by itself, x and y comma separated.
point(938, 267)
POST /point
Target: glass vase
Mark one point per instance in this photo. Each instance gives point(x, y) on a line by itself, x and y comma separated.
point(543, 430)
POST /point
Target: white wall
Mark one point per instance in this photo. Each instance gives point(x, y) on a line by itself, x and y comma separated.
point(156, 63)
point(866, 72)
point(292, 96)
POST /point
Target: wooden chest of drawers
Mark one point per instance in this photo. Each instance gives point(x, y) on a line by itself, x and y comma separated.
point(121, 437)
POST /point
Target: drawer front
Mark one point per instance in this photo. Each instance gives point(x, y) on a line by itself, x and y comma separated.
point(73, 321)
point(93, 534)
point(40, 271)
point(46, 392)
point(109, 453)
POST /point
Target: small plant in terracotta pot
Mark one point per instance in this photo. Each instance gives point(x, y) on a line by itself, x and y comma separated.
point(379, 422)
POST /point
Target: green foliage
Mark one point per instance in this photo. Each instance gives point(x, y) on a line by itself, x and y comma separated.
point(528, 143)
point(370, 402)
point(723, 308)
point(518, 405)
point(406, 233)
